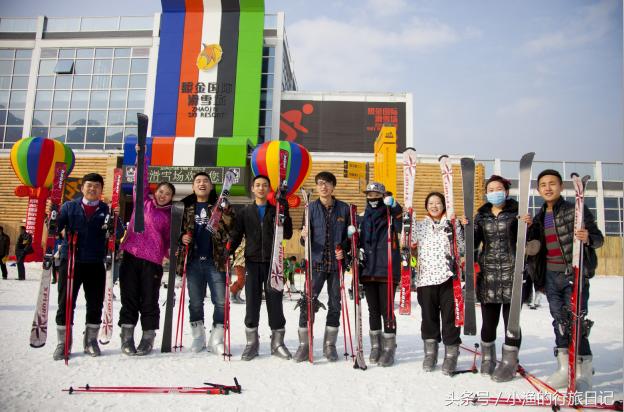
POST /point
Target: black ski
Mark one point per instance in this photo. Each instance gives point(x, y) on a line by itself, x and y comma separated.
point(177, 213)
point(524, 184)
point(139, 222)
point(468, 175)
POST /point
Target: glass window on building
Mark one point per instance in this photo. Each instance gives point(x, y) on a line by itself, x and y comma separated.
point(614, 216)
point(14, 72)
point(94, 106)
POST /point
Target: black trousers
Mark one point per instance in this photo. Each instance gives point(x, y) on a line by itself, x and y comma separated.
point(3, 267)
point(92, 276)
point(333, 291)
point(139, 282)
point(257, 280)
point(490, 315)
point(21, 270)
point(377, 299)
point(437, 301)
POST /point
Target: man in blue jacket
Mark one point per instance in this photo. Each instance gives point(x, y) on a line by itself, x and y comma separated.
point(329, 220)
point(84, 217)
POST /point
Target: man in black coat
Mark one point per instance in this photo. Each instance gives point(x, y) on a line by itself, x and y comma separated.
point(23, 247)
point(5, 244)
point(257, 223)
point(552, 270)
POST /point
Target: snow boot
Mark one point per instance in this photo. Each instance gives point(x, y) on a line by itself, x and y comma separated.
point(277, 344)
point(198, 331)
point(253, 343)
point(59, 351)
point(147, 343)
point(559, 379)
point(303, 351)
point(329, 343)
point(388, 348)
point(127, 340)
point(488, 357)
point(451, 353)
point(236, 298)
point(375, 338)
point(215, 342)
point(506, 369)
point(431, 355)
point(584, 372)
point(90, 340)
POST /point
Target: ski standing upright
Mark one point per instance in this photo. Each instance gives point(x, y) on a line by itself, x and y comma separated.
point(177, 213)
point(359, 363)
point(39, 331)
point(277, 257)
point(230, 177)
point(524, 184)
point(447, 180)
point(139, 218)
point(409, 175)
point(577, 315)
point(106, 330)
point(307, 247)
point(468, 173)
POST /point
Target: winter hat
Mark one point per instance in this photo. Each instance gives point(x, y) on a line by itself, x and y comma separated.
point(375, 187)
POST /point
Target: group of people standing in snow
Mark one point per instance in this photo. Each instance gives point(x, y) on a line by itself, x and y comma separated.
point(495, 228)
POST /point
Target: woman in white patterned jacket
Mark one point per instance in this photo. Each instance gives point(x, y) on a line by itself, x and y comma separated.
point(433, 238)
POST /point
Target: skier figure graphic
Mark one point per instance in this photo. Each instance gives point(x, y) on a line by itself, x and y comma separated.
point(290, 122)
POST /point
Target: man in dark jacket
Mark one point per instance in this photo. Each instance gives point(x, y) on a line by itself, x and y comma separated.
point(552, 270)
point(84, 218)
point(5, 244)
point(257, 223)
point(23, 247)
point(329, 220)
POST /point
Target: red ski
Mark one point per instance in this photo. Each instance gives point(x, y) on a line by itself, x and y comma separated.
point(447, 180)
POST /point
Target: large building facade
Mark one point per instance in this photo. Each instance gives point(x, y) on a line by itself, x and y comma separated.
point(216, 78)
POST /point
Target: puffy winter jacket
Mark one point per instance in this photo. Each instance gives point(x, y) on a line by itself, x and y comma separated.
point(339, 222)
point(497, 235)
point(91, 246)
point(219, 238)
point(153, 244)
point(374, 241)
point(258, 235)
point(564, 225)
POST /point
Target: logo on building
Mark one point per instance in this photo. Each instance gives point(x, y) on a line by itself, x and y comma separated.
point(209, 57)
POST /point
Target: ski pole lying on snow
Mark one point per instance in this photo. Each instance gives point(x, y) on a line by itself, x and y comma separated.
point(209, 389)
point(557, 399)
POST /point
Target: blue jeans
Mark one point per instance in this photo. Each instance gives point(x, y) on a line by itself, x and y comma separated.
point(558, 292)
point(199, 274)
point(333, 292)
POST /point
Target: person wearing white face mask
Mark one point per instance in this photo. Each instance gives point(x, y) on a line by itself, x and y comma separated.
point(496, 228)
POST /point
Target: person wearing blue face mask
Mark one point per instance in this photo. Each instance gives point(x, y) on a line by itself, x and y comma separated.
point(496, 228)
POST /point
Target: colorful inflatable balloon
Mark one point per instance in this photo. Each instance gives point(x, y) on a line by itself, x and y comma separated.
point(33, 160)
point(265, 161)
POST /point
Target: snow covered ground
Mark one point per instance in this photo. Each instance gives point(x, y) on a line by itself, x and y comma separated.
point(31, 380)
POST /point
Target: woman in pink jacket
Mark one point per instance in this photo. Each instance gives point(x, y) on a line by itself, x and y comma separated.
point(141, 268)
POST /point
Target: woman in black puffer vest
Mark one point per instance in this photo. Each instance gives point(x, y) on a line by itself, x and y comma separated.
point(496, 228)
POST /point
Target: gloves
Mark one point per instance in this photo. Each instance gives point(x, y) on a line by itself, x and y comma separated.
point(389, 201)
point(225, 203)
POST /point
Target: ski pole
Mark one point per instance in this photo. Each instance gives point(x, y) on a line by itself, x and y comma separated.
point(226, 319)
point(473, 369)
point(71, 248)
point(389, 285)
point(180, 324)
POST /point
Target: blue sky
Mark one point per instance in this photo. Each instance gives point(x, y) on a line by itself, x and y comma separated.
point(494, 78)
